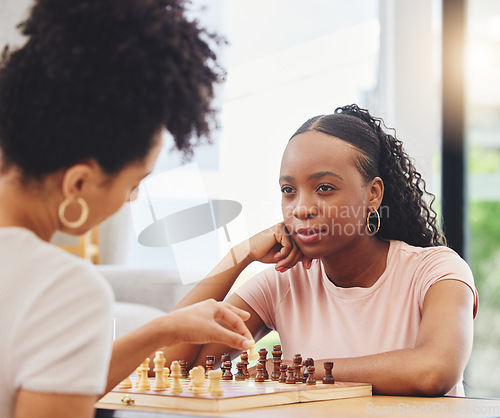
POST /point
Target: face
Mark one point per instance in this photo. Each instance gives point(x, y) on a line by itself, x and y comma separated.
point(325, 200)
point(106, 195)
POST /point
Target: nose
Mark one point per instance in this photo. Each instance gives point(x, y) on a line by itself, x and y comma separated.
point(305, 210)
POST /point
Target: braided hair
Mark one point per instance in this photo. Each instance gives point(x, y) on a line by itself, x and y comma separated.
point(409, 217)
point(97, 79)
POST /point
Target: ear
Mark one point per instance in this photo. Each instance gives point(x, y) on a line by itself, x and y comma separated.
point(75, 179)
point(376, 193)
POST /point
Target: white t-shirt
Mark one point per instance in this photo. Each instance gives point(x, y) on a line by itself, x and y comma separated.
point(55, 320)
point(320, 320)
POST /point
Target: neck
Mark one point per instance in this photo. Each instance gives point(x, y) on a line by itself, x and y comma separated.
point(30, 207)
point(358, 265)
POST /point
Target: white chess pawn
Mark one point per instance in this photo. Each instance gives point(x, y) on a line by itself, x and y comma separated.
point(125, 383)
point(197, 379)
point(159, 361)
point(142, 372)
point(175, 368)
point(166, 373)
point(252, 353)
point(215, 387)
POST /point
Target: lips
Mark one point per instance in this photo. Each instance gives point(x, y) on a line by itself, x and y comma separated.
point(309, 235)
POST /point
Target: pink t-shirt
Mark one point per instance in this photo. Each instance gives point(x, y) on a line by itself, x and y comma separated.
point(320, 320)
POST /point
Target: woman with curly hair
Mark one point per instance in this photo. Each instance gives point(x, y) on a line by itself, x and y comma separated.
point(362, 276)
point(83, 106)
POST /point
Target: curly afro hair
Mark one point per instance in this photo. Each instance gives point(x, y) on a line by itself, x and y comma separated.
point(97, 78)
point(409, 217)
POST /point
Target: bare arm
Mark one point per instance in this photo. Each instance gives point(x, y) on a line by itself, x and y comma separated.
point(441, 351)
point(196, 324)
point(31, 404)
point(272, 245)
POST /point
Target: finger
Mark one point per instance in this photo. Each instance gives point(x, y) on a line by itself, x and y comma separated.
point(286, 247)
point(234, 321)
point(233, 339)
point(290, 260)
point(307, 261)
point(240, 312)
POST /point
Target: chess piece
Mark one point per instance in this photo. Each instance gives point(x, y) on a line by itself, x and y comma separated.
point(184, 369)
point(263, 360)
point(260, 376)
point(197, 375)
point(291, 374)
point(125, 383)
point(142, 373)
point(297, 363)
point(240, 375)
point(166, 373)
point(328, 378)
point(159, 361)
point(244, 359)
point(307, 362)
point(252, 354)
point(215, 387)
point(283, 376)
point(275, 375)
point(209, 364)
point(310, 375)
point(175, 368)
point(227, 372)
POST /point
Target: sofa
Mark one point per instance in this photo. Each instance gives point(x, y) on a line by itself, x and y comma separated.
point(141, 294)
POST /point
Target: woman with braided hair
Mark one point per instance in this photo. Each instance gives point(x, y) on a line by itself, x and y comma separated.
point(362, 276)
point(83, 106)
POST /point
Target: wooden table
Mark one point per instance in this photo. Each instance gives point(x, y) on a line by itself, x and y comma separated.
point(367, 406)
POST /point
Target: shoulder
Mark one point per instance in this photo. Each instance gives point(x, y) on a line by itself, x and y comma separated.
point(427, 259)
point(41, 272)
point(430, 265)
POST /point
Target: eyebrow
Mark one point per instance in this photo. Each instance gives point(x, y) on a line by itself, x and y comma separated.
point(317, 175)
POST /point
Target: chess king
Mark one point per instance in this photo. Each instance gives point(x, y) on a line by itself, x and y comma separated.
point(361, 274)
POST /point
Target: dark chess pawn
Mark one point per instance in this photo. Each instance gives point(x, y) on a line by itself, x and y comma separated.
point(307, 362)
point(291, 374)
point(227, 372)
point(244, 359)
point(283, 376)
point(240, 375)
point(297, 363)
point(328, 379)
point(260, 376)
point(311, 380)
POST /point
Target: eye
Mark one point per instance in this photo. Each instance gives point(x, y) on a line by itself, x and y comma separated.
point(325, 188)
point(287, 190)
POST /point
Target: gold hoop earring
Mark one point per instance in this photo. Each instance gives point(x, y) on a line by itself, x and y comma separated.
point(368, 222)
point(83, 216)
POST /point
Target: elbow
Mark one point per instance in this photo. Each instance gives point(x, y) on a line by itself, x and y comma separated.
point(435, 381)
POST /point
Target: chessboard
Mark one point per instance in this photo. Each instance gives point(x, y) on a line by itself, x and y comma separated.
point(219, 390)
point(237, 395)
